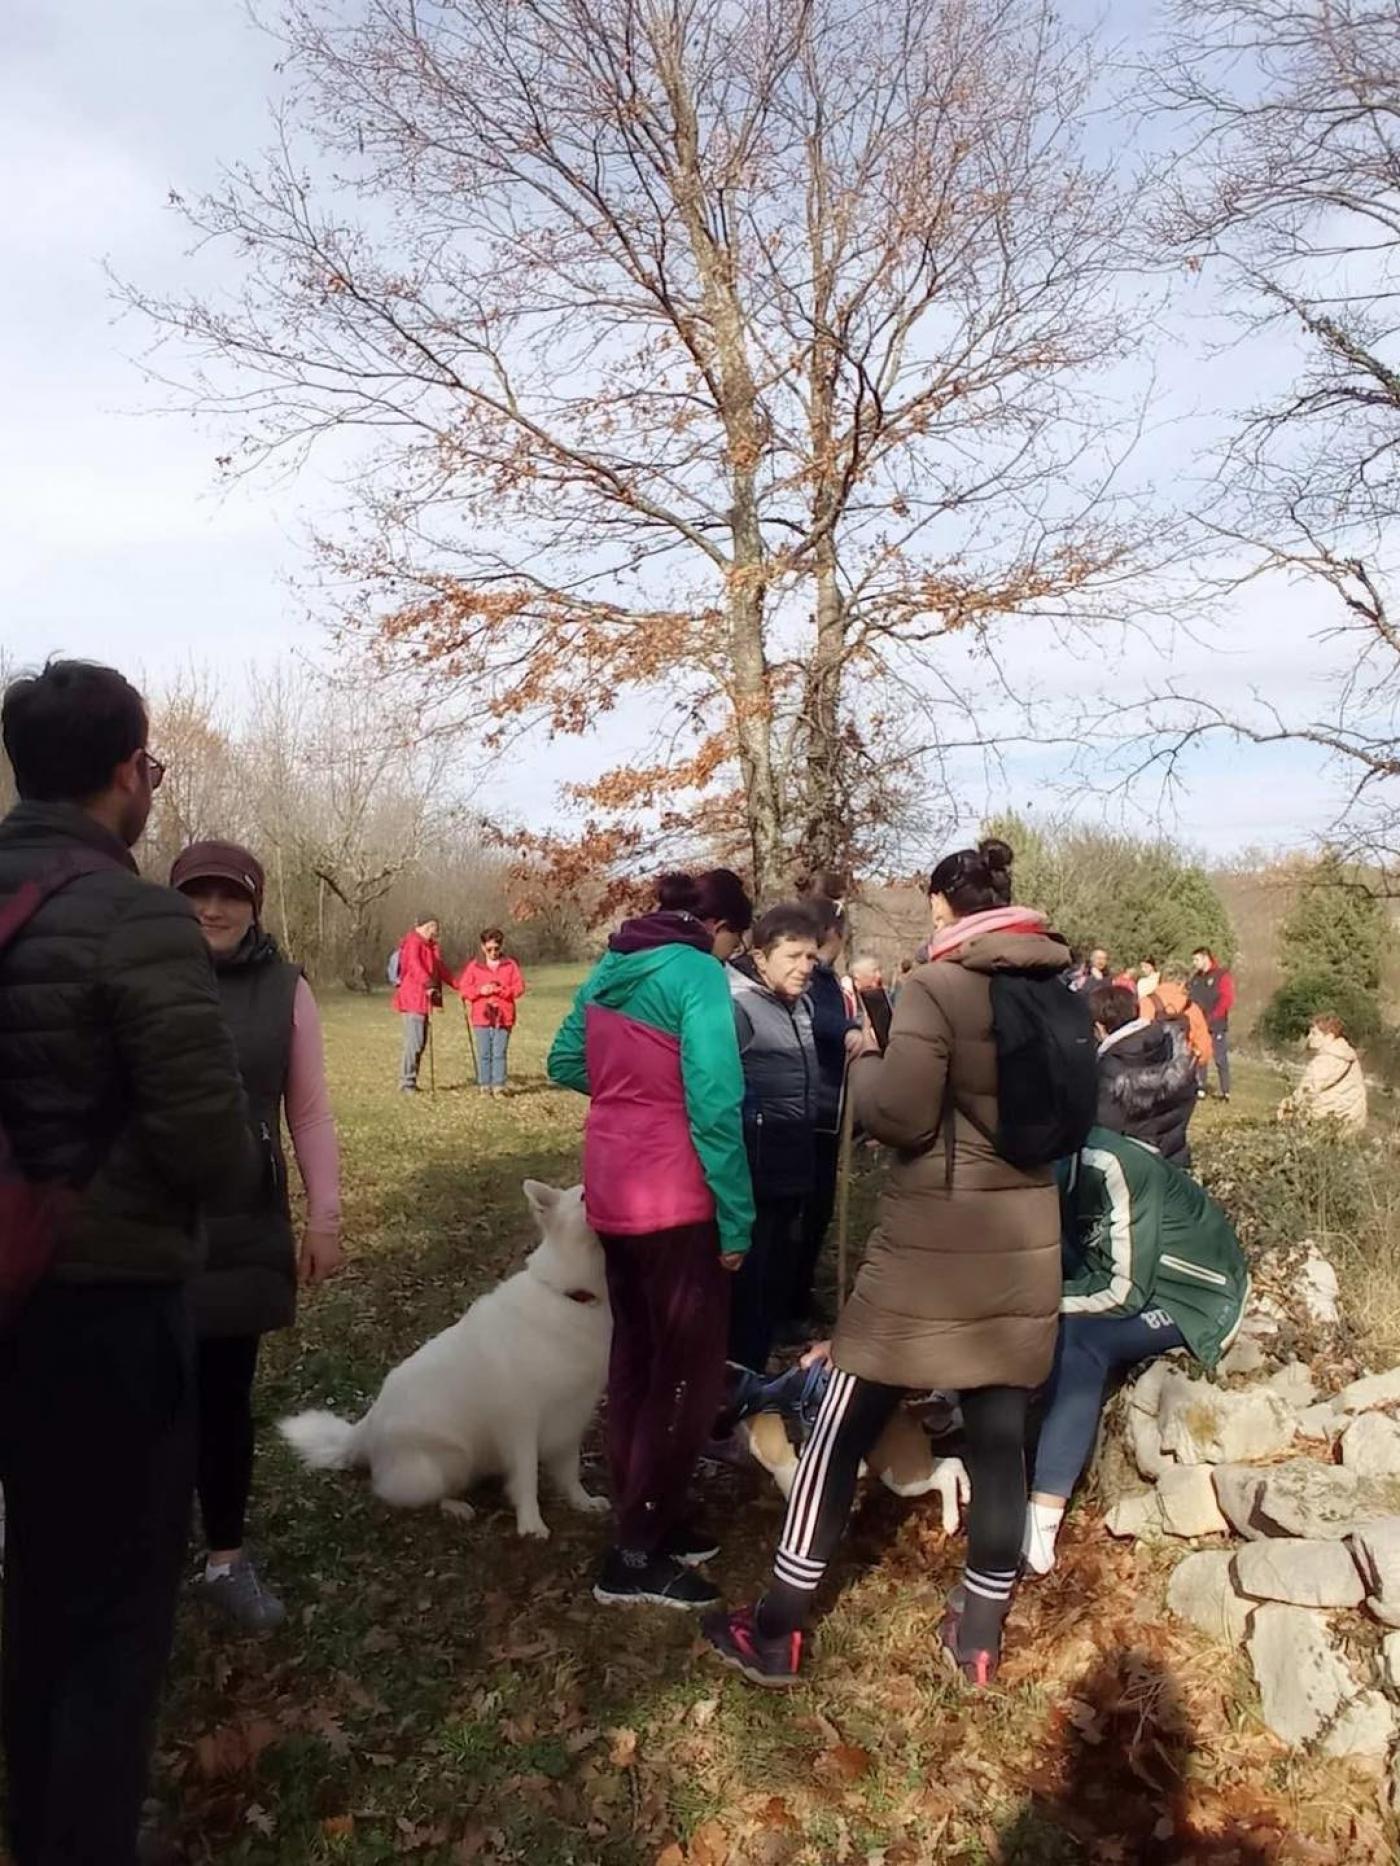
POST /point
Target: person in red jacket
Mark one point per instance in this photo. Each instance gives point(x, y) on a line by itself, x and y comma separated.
point(490, 986)
point(422, 975)
point(1213, 989)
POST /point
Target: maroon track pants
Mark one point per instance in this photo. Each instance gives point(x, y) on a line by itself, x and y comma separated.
point(670, 1306)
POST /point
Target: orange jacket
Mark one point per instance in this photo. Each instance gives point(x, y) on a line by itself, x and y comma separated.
point(1171, 1000)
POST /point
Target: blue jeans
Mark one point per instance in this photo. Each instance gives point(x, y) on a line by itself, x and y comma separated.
point(1089, 1349)
point(491, 1043)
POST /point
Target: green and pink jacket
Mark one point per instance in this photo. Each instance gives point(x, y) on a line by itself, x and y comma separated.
point(650, 1039)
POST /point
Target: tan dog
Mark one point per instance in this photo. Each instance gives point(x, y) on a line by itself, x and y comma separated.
point(902, 1458)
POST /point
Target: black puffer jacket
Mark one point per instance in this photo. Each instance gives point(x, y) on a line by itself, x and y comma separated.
point(779, 1056)
point(1148, 1087)
point(117, 1071)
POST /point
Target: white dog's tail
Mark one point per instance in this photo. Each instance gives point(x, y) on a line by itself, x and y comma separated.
point(323, 1441)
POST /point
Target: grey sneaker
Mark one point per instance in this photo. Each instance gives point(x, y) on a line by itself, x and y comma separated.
point(242, 1599)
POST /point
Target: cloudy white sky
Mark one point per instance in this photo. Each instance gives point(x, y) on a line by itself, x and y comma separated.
point(114, 540)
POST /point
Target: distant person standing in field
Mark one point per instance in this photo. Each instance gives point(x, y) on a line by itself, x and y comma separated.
point(253, 1264)
point(1093, 972)
point(1172, 1002)
point(1213, 989)
point(1333, 1087)
point(120, 1098)
point(491, 986)
point(421, 977)
point(650, 1040)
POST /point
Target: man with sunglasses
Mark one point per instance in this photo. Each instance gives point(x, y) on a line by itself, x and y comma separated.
point(121, 1113)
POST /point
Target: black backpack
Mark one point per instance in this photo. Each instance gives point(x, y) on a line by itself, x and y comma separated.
point(1047, 1072)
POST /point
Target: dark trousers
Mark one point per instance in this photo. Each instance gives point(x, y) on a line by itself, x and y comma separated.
point(816, 1222)
point(853, 1414)
point(415, 1041)
point(224, 1367)
point(1090, 1348)
point(1220, 1044)
point(670, 1306)
point(763, 1287)
point(97, 1462)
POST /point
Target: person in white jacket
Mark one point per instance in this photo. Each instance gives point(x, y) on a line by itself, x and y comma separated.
point(1333, 1087)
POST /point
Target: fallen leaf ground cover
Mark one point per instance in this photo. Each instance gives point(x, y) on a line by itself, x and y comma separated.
point(448, 1693)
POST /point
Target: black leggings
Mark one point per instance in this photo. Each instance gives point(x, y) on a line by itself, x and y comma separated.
point(225, 1367)
point(853, 1415)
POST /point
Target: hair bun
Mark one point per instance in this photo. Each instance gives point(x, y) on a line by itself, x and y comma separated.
point(996, 854)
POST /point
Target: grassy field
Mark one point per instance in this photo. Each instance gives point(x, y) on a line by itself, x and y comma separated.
point(449, 1693)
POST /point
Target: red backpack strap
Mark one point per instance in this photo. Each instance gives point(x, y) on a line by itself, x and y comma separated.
point(31, 895)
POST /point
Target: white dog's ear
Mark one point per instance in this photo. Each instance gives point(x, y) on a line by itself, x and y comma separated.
point(542, 1198)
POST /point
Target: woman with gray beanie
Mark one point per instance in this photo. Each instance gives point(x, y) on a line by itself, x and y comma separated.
point(249, 1282)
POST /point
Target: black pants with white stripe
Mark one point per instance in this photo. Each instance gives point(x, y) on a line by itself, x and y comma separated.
point(853, 1415)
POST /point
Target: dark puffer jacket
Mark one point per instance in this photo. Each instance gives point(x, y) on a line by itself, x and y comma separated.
point(117, 1071)
point(779, 1056)
point(1148, 1087)
point(830, 1023)
point(249, 1281)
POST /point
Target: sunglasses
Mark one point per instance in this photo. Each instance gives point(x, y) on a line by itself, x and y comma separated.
point(155, 770)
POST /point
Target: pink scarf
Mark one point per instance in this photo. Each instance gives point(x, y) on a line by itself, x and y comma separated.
point(994, 920)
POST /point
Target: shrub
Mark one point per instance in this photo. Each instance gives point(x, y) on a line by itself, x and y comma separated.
point(1282, 1182)
point(1301, 998)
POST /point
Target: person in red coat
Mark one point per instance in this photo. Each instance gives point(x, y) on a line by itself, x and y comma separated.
point(422, 975)
point(491, 985)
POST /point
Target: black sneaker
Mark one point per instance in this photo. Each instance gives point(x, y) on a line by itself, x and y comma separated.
point(690, 1547)
point(976, 1665)
point(775, 1664)
point(629, 1577)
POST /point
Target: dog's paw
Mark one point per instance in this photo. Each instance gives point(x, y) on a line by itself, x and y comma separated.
point(590, 1506)
point(538, 1531)
point(459, 1511)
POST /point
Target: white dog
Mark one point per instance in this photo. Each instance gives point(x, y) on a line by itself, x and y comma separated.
point(511, 1386)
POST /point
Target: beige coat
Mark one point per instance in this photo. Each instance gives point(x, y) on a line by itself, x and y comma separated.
point(1333, 1085)
point(960, 1286)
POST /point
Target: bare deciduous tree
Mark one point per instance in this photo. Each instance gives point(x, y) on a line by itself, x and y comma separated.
point(737, 355)
point(1291, 187)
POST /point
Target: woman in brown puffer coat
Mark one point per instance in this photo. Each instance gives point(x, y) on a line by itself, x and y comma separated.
point(960, 1287)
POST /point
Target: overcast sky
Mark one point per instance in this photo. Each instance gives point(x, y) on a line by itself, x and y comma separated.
point(114, 541)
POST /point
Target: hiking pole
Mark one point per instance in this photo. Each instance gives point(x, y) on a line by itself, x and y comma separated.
point(843, 1189)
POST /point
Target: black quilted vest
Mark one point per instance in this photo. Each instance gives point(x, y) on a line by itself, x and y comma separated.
point(248, 1285)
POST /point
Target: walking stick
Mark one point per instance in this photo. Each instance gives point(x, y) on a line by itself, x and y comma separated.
point(843, 1189)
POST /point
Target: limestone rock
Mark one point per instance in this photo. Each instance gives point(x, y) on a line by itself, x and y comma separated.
point(1186, 1501)
point(1366, 1394)
point(1303, 1682)
point(1138, 1516)
point(1202, 1591)
point(1376, 1547)
point(1238, 1488)
point(1371, 1446)
point(1322, 1421)
point(1321, 1502)
point(1245, 1357)
point(1294, 1383)
point(1365, 1727)
point(1205, 1424)
point(1318, 1289)
point(1145, 1437)
point(1304, 1574)
point(1390, 1661)
point(1145, 1394)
